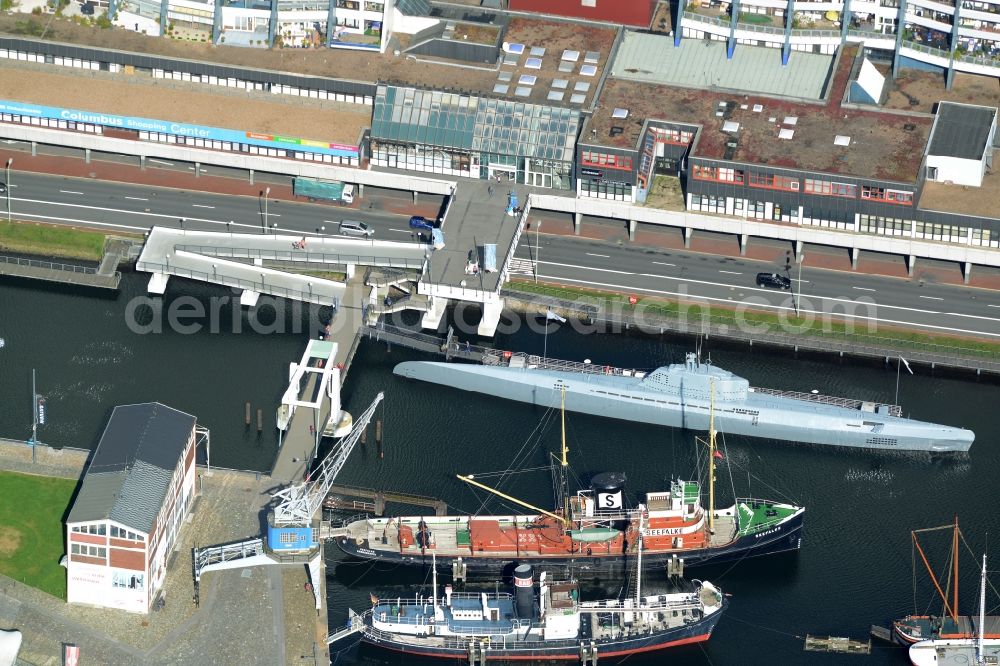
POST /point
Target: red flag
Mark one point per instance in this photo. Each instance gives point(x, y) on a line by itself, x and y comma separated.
point(718, 454)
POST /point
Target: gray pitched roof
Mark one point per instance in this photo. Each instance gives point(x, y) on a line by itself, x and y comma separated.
point(129, 476)
point(961, 130)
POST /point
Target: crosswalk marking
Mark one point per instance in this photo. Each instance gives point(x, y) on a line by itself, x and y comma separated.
point(522, 267)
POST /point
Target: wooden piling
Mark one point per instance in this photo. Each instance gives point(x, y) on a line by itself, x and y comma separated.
point(378, 439)
point(260, 420)
point(364, 436)
point(246, 414)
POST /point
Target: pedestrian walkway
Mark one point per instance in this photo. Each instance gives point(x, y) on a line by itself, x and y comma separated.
point(234, 260)
point(300, 441)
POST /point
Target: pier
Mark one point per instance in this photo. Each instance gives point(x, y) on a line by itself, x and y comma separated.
point(837, 644)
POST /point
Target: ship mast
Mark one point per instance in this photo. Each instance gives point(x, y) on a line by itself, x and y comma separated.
point(954, 557)
point(982, 614)
point(711, 458)
point(563, 485)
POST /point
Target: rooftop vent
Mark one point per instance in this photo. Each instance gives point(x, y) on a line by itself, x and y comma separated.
point(757, 108)
point(730, 126)
point(791, 120)
point(731, 147)
point(786, 134)
point(616, 130)
point(909, 127)
point(841, 140)
point(619, 113)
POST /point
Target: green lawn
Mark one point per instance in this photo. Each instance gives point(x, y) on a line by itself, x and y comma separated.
point(31, 529)
point(765, 321)
point(51, 241)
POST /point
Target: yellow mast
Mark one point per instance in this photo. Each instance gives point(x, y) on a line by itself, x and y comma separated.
point(469, 480)
point(711, 459)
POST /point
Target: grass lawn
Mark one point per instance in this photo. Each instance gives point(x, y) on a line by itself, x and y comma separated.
point(51, 240)
point(31, 529)
point(721, 315)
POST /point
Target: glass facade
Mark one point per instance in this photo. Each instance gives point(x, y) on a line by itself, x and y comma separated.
point(474, 136)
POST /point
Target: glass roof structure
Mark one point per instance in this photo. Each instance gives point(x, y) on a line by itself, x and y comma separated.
point(474, 124)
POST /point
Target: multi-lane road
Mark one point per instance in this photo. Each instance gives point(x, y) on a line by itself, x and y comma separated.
point(722, 281)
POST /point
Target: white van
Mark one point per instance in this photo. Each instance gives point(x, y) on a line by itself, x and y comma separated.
point(356, 229)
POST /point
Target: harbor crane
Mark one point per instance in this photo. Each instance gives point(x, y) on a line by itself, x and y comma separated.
point(293, 525)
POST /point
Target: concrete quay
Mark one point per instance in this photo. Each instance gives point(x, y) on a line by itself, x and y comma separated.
point(260, 615)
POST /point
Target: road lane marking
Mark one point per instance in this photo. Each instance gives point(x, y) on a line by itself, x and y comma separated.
point(137, 199)
point(729, 286)
point(71, 192)
point(989, 305)
point(768, 305)
point(862, 288)
point(730, 272)
point(202, 206)
point(663, 263)
point(933, 298)
point(402, 231)
point(603, 256)
point(151, 159)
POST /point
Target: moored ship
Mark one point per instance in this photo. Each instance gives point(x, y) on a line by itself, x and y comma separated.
point(591, 534)
point(678, 396)
point(547, 622)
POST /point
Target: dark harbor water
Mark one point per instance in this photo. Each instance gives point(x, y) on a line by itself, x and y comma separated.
point(854, 569)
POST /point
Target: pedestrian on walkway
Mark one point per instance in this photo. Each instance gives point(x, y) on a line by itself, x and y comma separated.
point(490, 190)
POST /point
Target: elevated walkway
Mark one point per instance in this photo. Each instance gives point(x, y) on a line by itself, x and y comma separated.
point(378, 498)
point(235, 260)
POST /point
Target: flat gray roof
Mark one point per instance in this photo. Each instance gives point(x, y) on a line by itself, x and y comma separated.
point(696, 63)
point(961, 130)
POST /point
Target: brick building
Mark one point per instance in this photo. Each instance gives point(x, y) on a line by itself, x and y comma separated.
point(127, 515)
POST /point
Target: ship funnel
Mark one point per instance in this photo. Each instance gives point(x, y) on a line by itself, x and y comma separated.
point(447, 595)
point(608, 490)
point(525, 596)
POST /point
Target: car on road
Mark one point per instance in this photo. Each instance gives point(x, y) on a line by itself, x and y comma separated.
point(3, 187)
point(356, 229)
point(421, 223)
point(773, 281)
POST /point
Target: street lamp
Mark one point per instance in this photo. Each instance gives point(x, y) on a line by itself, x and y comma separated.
point(168, 260)
point(267, 192)
point(182, 224)
point(229, 227)
point(274, 228)
point(798, 292)
point(10, 160)
point(538, 227)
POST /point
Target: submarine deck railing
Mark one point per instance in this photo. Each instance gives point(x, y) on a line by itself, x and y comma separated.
point(849, 403)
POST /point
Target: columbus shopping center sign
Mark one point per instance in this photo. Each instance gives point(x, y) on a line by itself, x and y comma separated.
point(179, 129)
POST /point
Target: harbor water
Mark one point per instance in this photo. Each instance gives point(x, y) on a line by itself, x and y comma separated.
point(854, 569)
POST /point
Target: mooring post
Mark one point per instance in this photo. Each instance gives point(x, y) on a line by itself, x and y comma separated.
point(246, 416)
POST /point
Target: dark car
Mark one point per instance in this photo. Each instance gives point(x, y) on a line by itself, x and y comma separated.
point(422, 223)
point(773, 281)
point(3, 187)
point(87, 8)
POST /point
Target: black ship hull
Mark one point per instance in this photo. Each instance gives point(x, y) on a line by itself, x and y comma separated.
point(784, 537)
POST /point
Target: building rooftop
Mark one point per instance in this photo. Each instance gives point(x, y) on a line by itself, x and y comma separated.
point(182, 102)
point(916, 90)
point(426, 72)
point(983, 201)
point(130, 473)
point(962, 131)
point(697, 63)
point(882, 145)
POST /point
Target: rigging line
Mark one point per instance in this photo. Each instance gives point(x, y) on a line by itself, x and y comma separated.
point(702, 648)
point(969, 548)
point(732, 483)
point(730, 616)
point(480, 475)
point(516, 461)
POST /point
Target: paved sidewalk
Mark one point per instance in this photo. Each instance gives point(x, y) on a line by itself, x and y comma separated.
point(767, 250)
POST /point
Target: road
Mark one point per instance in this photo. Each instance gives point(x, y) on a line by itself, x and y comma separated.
point(873, 300)
point(135, 208)
point(631, 268)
